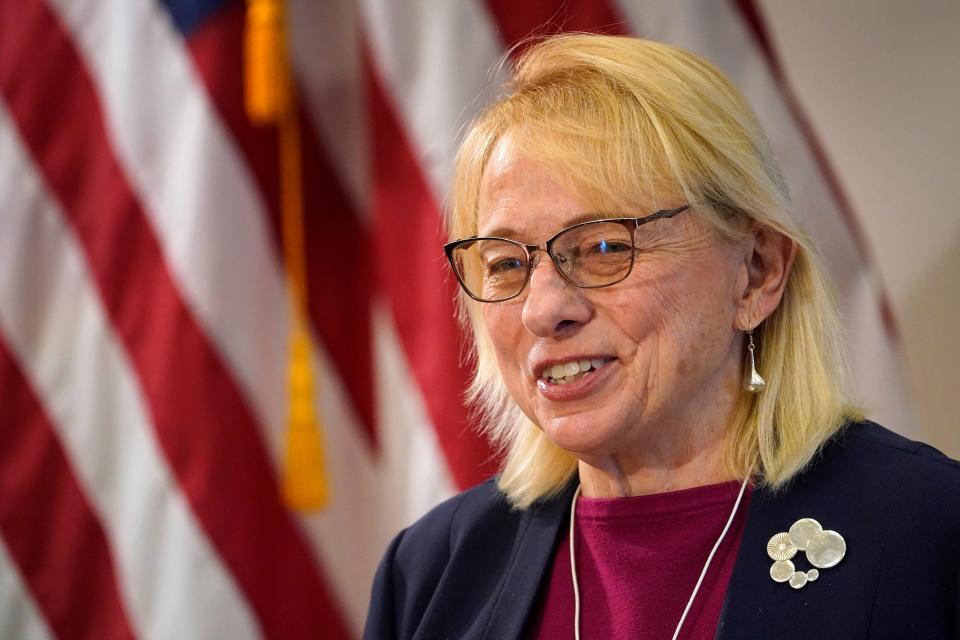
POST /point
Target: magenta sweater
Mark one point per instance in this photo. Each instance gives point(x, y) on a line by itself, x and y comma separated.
point(638, 560)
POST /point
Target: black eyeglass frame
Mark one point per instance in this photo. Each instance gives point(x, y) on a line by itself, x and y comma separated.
point(632, 224)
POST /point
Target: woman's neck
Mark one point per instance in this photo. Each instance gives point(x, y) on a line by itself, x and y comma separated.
point(622, 474)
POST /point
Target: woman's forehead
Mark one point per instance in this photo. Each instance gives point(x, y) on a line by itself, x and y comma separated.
point(525, 196)
point(520, 196)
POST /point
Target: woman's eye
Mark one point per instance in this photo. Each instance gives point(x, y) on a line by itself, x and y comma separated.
point(504, 265)
point(606, 247)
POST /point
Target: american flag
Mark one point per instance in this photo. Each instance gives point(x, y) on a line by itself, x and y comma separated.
point(144, 309)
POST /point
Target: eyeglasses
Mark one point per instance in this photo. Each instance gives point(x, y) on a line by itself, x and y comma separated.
point(589, 255)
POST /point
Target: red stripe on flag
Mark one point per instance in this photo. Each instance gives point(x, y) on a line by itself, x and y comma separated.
point(419, 287)
point(202, 421)
point(53, 535)
point(757, 26)
point(338, 247)
point(519, 20)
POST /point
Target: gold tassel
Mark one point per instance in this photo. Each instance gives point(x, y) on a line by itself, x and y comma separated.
point(270, 99)
point(267, 87)
point(305, 485)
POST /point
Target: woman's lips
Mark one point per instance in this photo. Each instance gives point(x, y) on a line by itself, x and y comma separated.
point(579, 388)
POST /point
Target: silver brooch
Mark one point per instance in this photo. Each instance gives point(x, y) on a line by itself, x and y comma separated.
point(823, 548)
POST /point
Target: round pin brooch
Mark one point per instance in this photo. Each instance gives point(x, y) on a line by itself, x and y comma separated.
point(822, 548)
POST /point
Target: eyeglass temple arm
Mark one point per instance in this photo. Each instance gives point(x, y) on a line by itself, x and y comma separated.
point(663, 213)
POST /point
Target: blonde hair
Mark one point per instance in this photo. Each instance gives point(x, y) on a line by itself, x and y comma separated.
point(626, 122)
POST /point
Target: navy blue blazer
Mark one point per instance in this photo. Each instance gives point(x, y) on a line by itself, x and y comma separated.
point(475, 568)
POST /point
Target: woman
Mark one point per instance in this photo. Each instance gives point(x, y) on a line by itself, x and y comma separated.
point(657, 358)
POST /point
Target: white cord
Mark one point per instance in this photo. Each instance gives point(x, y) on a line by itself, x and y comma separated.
point(703, 573)
point(573, 568)
point(716, 546)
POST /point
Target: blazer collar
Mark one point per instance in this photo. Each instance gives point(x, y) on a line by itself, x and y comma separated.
point(529, 566)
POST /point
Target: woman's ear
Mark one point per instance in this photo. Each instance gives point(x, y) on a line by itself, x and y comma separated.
point(768, 258)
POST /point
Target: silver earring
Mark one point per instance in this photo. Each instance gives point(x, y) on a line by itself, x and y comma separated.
point(753, 382)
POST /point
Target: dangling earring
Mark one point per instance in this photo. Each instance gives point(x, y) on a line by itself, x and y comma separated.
point(753, 381)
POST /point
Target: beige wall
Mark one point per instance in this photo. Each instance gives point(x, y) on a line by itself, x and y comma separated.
point(880, 80)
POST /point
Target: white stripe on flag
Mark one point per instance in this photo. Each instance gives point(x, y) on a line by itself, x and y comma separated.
point(19, 616)
point(326, 49)
point(172, 580)
point(438, 62)
point(877, 366)
point(413, 463)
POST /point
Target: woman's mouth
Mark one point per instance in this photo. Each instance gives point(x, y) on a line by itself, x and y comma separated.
point(572, 379)
point(567, 372)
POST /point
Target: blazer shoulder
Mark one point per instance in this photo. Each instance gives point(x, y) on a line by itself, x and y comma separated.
point(442, 528)
point(926, 476)
point(443, 571)
point(873, 439)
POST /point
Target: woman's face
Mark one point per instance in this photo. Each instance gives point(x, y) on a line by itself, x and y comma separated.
point(663, 351)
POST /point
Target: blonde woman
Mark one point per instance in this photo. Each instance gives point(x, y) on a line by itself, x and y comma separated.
point(657, 357)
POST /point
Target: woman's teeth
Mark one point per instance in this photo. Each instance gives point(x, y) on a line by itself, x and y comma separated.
point(567, 372)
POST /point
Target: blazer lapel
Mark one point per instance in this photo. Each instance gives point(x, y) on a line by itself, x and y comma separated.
point(752, 596)
point(529, 564)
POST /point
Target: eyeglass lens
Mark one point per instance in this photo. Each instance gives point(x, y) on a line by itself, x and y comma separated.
point(596, 254)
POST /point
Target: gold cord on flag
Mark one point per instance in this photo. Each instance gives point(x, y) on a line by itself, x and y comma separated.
point(270, 100)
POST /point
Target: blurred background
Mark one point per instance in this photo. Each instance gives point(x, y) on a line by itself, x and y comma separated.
point(229, 368)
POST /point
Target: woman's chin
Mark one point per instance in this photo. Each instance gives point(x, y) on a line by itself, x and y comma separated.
point(583, 434)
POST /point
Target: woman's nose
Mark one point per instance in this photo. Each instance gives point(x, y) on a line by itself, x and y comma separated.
point(553, 305)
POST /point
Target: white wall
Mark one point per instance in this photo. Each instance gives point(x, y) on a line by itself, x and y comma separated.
point(880, 80)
